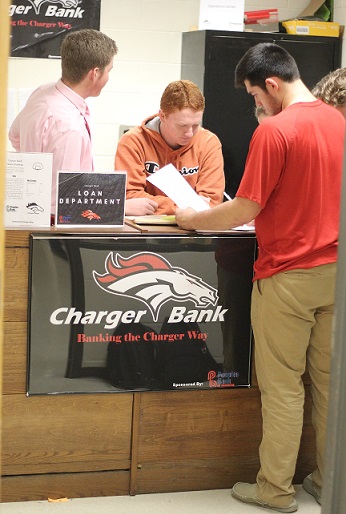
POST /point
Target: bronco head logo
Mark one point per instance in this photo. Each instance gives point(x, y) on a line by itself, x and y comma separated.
point(34, 207)
point(150, 278)
point(90, 215)
point(65, 3)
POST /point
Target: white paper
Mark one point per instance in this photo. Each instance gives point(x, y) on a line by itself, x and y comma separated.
point(23, 96)
point(28, 189)
point(241, 228)
point(221, 15)
point(11, 106)
point(170, 181)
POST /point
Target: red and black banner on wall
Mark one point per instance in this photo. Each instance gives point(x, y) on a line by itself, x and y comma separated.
point(139, 313)
point(39, 26)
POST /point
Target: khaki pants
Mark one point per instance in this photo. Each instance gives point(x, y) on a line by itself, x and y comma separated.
point(292, 316)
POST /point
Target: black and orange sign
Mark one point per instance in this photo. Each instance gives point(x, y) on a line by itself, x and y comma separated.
point(139, 313)
point(39, 26)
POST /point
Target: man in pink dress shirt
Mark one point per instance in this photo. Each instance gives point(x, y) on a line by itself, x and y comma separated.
point(56, 117)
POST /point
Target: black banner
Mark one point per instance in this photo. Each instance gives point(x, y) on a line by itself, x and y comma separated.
point(139, 313)
point(39, 26)
point(90, 198)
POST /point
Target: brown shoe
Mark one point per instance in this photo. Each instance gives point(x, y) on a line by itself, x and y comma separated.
point(247, 493)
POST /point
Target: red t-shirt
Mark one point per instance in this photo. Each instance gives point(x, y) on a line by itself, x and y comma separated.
point(293, 171)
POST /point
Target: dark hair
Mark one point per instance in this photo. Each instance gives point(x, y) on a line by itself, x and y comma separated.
point(83, 50)
point(263, 61)
point(181, 94)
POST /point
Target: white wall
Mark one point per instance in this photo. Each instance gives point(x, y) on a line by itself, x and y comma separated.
point(148, 34)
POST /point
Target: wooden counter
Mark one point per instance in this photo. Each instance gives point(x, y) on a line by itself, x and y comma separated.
point(79, 445)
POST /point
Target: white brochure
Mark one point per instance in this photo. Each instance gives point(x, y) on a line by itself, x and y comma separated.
point(221, 15)
point(28, 188)
point(170, 181)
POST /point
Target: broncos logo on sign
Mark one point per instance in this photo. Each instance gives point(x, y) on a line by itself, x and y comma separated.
point(150, 278)
point(65, 3)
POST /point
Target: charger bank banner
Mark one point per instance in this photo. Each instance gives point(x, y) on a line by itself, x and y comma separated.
point(139, 313)
point(39, 26)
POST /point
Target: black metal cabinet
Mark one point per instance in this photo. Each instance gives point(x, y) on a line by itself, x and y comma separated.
point(209, 58)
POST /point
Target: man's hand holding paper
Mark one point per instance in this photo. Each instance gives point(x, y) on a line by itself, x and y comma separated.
point(170, 181)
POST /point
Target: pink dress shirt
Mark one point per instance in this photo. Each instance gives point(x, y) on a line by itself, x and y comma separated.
point(54, 120)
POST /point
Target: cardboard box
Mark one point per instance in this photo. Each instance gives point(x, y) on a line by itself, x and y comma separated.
point(312, 28)
point(323, 9)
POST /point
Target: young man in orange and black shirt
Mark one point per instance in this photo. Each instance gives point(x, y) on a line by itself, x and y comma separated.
point(173, 136)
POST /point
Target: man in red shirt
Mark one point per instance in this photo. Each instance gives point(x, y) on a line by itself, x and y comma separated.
point(291, 186)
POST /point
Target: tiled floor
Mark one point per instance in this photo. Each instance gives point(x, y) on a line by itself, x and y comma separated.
point(199, 502)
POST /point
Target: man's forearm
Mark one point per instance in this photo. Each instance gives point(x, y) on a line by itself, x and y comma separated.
point(223, 217)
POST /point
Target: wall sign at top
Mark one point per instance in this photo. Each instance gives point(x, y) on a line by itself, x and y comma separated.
point(221, 15)
point(39, 26)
